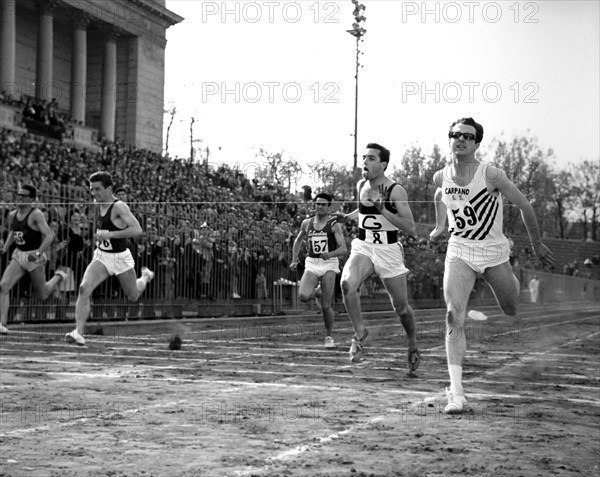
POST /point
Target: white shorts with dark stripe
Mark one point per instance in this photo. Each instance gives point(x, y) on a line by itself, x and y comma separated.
point(479, 255)
point(320, 267)
point(387, 259)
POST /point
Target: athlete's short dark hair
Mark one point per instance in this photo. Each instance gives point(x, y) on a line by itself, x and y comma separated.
point(470, 122)
point(324, 195)
point(120, 189)
point(103, 177)
point(31, 189)
point(384, 154)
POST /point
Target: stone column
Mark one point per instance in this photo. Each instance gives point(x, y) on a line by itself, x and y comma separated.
point(108, 100)
point(79, 68)
point(8, 37)
point(45, 50)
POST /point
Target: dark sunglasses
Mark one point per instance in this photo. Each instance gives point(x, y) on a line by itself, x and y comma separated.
point(458, 135)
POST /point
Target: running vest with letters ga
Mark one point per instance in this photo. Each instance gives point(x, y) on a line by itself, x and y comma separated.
point(473, 212)
point(25, 237)
point(373, 227)
point(113, 245)
point(321, 241)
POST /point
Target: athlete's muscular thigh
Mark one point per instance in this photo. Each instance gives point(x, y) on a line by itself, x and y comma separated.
point(503, 283)
point(94, 275)
point(12, 274)
point(357, 269)
point(459, 280)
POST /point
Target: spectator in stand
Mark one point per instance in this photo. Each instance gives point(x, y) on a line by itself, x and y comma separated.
point(121, 193)
point(166, 276)
point(261, 285)
point(234, 265)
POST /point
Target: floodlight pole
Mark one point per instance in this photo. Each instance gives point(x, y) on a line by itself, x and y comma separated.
point(356, 106)
point(358, 31)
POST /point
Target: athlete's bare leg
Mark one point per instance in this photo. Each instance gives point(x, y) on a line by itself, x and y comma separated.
point(308, 283)
point(327, 289)
point(94, 275)
point(397, 290)
point(12, 274)
point(42, 289)
point(357, 269)
point(133, 286)
point(459, 279)
point(505, 286)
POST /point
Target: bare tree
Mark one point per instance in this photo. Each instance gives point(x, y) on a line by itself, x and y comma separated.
point(171, 111)
point(586, 189)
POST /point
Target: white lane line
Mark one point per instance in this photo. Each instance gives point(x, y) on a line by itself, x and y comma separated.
point(295, 451)
point(354, 377)
point(542, 354)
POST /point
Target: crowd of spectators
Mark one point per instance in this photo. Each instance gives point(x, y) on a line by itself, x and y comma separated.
point(210, 233)
point(42, 116)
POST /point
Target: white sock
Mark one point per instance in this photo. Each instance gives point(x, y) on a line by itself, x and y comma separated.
point(455, 379)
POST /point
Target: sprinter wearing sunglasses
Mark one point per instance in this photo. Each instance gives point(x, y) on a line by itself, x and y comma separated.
point(470, 194)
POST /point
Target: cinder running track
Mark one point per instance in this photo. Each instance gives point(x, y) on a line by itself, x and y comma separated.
point(263, 397)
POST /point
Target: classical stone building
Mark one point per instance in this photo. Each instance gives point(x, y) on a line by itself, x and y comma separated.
point(102, 61)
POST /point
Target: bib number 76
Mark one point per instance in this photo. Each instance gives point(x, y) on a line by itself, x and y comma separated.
point(104, 244)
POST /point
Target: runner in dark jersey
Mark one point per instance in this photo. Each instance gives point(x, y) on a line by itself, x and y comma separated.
point(326, 243)
point(31, 235)
point(114, 225)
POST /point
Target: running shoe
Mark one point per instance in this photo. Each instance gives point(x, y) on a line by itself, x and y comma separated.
point(414, 360)
point(456, 403)
point(147, 273)
point(74, 338)
point(356, 347)
point(477, 315)
point(329, 343)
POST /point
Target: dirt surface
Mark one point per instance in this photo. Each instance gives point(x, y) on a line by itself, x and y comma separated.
point(263, 397)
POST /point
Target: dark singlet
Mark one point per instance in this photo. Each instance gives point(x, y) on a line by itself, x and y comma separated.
point(25, 237)
point(373, 227)
point(321, 241)
point(113, 245)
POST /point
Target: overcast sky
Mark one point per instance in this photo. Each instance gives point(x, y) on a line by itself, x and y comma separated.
point(281, 75)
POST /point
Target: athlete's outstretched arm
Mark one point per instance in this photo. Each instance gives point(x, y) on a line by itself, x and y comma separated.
point(341, 249)
point(297, 244)
point(11, 237)
point(39, 221)
point(513, 194)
